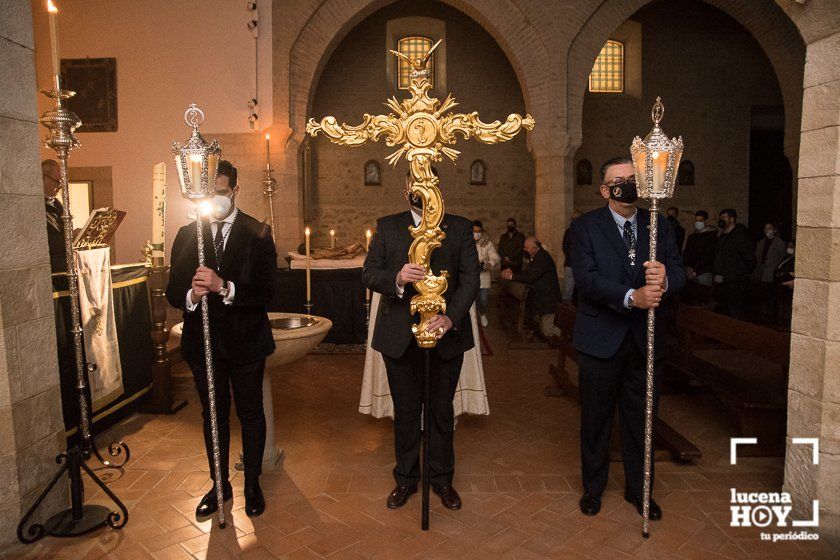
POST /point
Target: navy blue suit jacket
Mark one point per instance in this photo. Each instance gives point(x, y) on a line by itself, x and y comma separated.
point(603, 275)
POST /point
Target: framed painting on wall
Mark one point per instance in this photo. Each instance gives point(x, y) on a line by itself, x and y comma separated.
point(95, 82)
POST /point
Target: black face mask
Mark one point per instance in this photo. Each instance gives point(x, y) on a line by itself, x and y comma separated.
point(722, 224)
point(511, 229)
point(624, 192)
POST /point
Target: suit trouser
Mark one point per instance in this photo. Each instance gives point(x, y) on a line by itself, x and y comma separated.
point(405, 379)
point(246, 382)
point(603, 383)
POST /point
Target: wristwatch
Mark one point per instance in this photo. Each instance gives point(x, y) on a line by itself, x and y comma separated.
point(223, 291)
point(630, 299)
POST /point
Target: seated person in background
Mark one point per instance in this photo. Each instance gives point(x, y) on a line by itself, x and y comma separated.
point(511, 245)
point(541, 274)
point(699, 253)
point(489, 260)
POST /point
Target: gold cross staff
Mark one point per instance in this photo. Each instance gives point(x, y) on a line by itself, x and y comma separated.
point(423, 133)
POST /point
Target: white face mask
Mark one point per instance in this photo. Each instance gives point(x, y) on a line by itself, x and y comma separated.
point(221, 206)
point(476, 235)
point(790, 250)
point(699, 226)
point(769, 234)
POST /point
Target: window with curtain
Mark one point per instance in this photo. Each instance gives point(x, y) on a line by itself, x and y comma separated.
point(608, 72)
point(415, 47)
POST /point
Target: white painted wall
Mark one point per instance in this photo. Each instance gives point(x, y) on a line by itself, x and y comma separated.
point(170, 53)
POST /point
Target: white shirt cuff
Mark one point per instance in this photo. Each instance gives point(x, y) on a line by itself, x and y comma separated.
point(231, 291)
point(400, 291)
point(627, 299)
point(190, 305)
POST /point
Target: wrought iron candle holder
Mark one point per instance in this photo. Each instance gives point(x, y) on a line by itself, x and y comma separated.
point(81, 518)
point(655, 161)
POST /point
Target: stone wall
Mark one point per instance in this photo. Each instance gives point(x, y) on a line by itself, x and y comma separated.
point(354, 81)
point(31, 427)
point(814, 389)
point(709, 72)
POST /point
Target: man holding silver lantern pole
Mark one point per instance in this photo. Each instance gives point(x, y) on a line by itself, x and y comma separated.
point(617, 283)
point(240, 259)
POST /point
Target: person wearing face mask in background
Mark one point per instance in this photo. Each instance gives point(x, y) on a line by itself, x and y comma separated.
point(784, 278)
point(512, 247)
point(240, 261)
point(699, 254)
point(769, 252)
point(489, 261)
point(733, 265)
point(617, 283)
point(388, 272)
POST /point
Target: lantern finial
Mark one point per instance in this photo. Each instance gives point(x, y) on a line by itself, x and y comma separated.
point(658, 111)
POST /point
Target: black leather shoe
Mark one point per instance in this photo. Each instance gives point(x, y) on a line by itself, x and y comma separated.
point(654, 513)
point(399, 496)
point(209, 504)
point(448, 497)
point(254, 499)
point(589, 504)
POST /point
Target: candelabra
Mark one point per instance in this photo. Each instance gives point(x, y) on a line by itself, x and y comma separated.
point(269, 182)
point(80, 518)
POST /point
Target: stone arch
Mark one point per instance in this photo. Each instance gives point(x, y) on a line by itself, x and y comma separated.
point(333, 19)
point(774, 31)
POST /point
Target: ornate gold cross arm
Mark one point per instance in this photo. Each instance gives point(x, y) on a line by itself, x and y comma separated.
point(372, 127)
point(469, 125)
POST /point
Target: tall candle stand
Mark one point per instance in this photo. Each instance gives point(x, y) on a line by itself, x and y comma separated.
point(269, 190)
point(80, 518)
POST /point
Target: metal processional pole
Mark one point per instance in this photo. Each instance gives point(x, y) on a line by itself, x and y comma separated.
point(197, 164)
point(655, 161)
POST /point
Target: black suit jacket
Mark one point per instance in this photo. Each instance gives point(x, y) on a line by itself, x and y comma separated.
point(603, 275)
point(389, 252)
point(240, 332)
point(541, 274)
point(55, 237)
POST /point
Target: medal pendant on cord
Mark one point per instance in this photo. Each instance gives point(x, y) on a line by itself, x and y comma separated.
point(632, 255)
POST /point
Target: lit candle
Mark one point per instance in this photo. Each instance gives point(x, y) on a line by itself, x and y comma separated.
point(267, 151)
point(306, 232)
point(158, 209)
point(56, 61)
point(332, 239)
point(367, 248)
point(195, 173)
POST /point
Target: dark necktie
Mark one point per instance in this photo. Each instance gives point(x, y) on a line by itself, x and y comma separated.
point(630, 241)
point(219, 242)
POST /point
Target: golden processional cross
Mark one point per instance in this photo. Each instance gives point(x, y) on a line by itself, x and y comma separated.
point(423, 133)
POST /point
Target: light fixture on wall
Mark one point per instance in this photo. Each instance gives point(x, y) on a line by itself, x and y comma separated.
point(253, 117)
point(253, 114)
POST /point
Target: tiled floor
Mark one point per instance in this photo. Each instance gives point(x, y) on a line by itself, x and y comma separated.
point(517, 471)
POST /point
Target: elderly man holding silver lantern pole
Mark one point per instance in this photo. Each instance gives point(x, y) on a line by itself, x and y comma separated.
point(625, 263)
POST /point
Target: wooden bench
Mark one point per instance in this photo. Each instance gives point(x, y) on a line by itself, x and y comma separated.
point(745, 366)
point(667, 442)
point(514, 298)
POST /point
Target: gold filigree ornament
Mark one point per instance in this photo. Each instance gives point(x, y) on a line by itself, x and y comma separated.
point(422, 131)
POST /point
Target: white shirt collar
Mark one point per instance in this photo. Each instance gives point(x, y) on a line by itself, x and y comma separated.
point(416, 217)
point(231, 217)
point(619, 219)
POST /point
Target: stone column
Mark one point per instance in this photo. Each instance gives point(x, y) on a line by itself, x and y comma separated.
point(554, 198)
point(814, 389)
point(31, 427)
